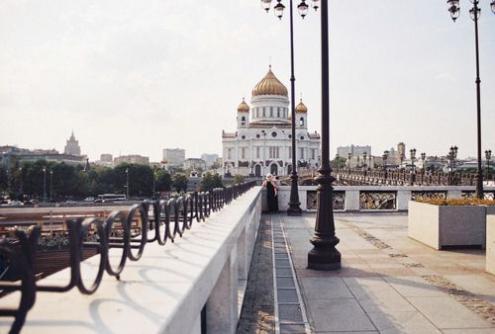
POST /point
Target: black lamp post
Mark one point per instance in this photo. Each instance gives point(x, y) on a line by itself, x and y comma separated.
point(364, 160)
point(412, 153)
point(51, 185)
point(385, 158)
point(127, 183)
point(324, 255)
point(488, 156)
point(294, 204)
point(44, 184)
point(475, 11)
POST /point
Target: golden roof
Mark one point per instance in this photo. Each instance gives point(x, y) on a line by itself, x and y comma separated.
point(243, 107)
point(301, 107)
point(270, 85)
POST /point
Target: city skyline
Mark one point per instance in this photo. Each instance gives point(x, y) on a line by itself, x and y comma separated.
point(133, 78)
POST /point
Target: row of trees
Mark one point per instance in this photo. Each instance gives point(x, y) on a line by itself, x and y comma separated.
point(60, 181)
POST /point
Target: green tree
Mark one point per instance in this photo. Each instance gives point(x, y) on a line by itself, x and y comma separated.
point(163, 181)
point(140, 179)
point(180, 182)
point(211, 181)
point(338, 162)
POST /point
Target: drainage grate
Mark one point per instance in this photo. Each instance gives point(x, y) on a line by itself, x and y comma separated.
point(290, 316)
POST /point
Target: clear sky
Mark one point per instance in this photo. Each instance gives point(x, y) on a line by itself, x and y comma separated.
point(138, 76)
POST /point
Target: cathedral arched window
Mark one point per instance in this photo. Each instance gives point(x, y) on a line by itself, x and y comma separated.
point(271, 111)
point(301, 121)
point(278, 112)
point(243, 119)
point(264, 114)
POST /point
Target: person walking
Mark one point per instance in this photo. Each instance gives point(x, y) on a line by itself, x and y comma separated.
point(272, 193)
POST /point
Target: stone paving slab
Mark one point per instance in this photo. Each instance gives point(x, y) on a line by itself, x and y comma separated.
point(389, 283)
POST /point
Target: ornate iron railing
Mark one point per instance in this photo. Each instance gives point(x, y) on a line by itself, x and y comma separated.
point(404, 177)
point(126, 230)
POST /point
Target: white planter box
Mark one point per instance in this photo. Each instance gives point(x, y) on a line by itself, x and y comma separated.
point(441, 226)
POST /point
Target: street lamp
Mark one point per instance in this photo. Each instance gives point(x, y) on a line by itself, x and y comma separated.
point(44, 184)
point(364, 160)
point(127, 183)
point(474, 12)
point(278, 9)
point(51, 185)
point(385, 158)
point(324, 255)
point(488, 153)
point(20, 184)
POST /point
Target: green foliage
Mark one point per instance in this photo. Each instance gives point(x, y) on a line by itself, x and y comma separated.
point(63, 181)
point(338, 162)
point(211, 181)
point(180, 182)
point(163, 181)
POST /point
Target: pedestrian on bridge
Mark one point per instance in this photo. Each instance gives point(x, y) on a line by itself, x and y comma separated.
point(272, 192)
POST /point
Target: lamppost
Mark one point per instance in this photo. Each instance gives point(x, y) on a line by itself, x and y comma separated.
point(423, 167)
point(324, 255)
point(475, 11)
point(412, 153)
point(44, 184)
point(364, 161)
point(385, 158)
point(294, 204)
point(127, 183)
point(20, 184)
point(451, 157)
point(488, 156)
point(51, 185)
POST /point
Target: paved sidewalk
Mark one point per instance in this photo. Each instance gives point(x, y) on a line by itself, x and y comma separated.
point(389, 283)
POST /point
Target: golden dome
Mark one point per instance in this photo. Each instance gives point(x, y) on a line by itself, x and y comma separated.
point(301, 107)
point(270, 85)
point(243, 107)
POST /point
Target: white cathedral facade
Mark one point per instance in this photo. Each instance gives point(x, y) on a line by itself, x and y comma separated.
point(262, 142)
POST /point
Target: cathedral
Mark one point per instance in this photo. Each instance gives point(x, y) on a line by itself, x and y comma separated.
point(262, 142)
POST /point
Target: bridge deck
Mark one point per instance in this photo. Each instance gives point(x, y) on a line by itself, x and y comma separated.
point(388, 283)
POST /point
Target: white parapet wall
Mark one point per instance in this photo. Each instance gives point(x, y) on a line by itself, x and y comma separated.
point(167, 289)
point(490, 244)
point(352, 195)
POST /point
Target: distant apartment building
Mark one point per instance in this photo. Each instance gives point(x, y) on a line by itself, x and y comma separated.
point(354, 150)
point(72, 146)
point(195, 163)
point(106, 159)
point(210, 159)
point(132, 159)
point(174, 157)
point(11, 155)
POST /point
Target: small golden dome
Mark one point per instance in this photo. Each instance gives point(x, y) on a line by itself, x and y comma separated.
point(301, 107)
point(243, 107)
point(270, 85)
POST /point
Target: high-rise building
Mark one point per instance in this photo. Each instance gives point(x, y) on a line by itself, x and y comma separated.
point(210, 159)
point(354, 150)
point(174, 157)
point(262, 142)
point(106, 157)
point(72, 146)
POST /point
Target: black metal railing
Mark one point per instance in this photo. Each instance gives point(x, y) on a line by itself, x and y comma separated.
point(127, 231)
point(406, 177)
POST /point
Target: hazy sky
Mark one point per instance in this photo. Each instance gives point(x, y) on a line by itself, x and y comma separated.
point(137, 76)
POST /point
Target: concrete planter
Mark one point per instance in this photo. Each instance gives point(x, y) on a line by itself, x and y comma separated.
point(443, 226)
